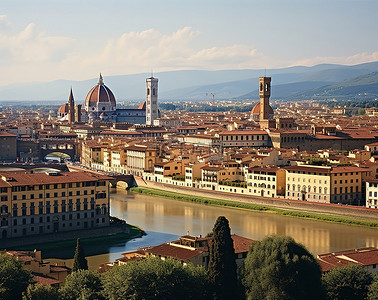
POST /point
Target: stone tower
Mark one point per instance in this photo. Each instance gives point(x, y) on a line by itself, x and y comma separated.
point(264, 92)
point(151, 100)
point(266, 120)
point(71, 108)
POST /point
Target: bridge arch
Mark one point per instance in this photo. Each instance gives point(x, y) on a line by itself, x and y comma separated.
point(57, 156)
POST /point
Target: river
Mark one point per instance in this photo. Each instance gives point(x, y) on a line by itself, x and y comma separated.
point(165, 219)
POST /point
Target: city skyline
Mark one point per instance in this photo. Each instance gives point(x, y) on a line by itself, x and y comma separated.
point(44, 41)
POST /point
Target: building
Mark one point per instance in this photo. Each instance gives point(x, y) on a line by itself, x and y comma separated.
point(8, 147)
point(244, 138)
point(325, 184)
point(100, 105)
point(43, 271)
point(38, 203)
point(372, 193)
point(192, 249)
point(266, 181)
point(365, 257)
point(140, 158)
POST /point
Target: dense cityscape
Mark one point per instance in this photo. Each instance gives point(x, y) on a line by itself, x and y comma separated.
point(188, 150)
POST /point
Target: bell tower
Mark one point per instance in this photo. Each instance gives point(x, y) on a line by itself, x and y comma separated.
point(264, 93)
point(152, 112)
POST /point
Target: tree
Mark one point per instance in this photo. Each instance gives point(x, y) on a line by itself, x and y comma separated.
point(80, 262)
point(40, 292)
point(222, 264)
point(350, 282)
point(279, 268)
point(153, 278)
point(373, 289)
point(82, 284)
point(14, 279)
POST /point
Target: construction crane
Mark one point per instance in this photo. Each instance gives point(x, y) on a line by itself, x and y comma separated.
point(212, 96)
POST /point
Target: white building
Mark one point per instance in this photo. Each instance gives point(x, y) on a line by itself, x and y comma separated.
point(372, 193)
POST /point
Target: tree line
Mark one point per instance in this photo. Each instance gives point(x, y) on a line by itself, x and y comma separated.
point(275, 268)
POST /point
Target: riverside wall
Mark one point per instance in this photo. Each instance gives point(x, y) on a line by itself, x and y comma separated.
point(63, 236)
point(313, 207)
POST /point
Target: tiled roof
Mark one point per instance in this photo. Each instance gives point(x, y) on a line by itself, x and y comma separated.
point(43, 178)
point(243, 132)
point(363, 257)
point(45, 280)
point(175, 251)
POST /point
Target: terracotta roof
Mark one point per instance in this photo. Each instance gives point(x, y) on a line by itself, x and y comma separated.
point(256, 109)
point(5, 134)
point(363, 256)
point(45, 280)
point(99, 93)
point(43, 178)
point(175, 251)
point(142, 105)
point(309, 169)
point(63, 109)
point(243, 132)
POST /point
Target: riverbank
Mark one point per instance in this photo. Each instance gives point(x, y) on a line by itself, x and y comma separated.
point(246, 204)
point(115, 233)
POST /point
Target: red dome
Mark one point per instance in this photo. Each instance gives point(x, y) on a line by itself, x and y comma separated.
point(63, 109)
point(99, 93)
point(142, 105)
point(256, 110)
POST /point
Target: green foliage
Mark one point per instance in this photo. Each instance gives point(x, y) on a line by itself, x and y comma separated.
point(154, 278)
point(222, 264)
point(80, 262)
point(82, 284)
point(14, 279)
point(251, 206)
point(349, 282)
point(278, 268)
point(40, 292)
point(373, 289)
point(178, 177)
point(361, 112)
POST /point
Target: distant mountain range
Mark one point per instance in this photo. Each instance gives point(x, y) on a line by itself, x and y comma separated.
point(325, 81)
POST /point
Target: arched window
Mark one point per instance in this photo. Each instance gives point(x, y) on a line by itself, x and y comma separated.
point(148, 91)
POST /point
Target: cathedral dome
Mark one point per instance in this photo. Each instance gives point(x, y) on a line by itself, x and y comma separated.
point(63, 109)
point(100, 98)
point(255, 112)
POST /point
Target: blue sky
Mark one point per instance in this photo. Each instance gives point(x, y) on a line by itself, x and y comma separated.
point(75, 40)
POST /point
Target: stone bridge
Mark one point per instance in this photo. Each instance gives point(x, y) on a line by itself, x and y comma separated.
point(66, 146)
point(36, 150)
point(122, 180)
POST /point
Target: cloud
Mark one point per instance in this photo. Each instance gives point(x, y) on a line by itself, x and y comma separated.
point(355, 59)
point(151, 49)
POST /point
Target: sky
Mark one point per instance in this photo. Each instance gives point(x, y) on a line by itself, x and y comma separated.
point(45, 40)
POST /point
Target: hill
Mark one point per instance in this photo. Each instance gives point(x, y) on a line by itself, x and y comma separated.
point(287, 83)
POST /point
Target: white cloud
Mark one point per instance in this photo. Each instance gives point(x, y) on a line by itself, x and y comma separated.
point(31, 54)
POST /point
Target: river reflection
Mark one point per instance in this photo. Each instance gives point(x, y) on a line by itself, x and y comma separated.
point(175, 217)
point(165, 219)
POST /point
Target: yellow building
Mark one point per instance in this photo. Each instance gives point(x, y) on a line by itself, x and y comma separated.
point(140, 158)
point(325, 184)
point(266, 181)
point(40, 203)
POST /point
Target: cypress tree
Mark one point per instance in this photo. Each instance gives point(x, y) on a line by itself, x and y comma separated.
point(222, 264)
point(80, 262)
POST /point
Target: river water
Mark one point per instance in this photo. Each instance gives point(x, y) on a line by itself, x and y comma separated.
point(165, 219)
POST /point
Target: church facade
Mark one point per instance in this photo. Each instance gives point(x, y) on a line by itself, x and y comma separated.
point(101, 105)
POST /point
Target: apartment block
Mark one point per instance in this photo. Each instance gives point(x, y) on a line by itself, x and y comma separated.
point(39, 203)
